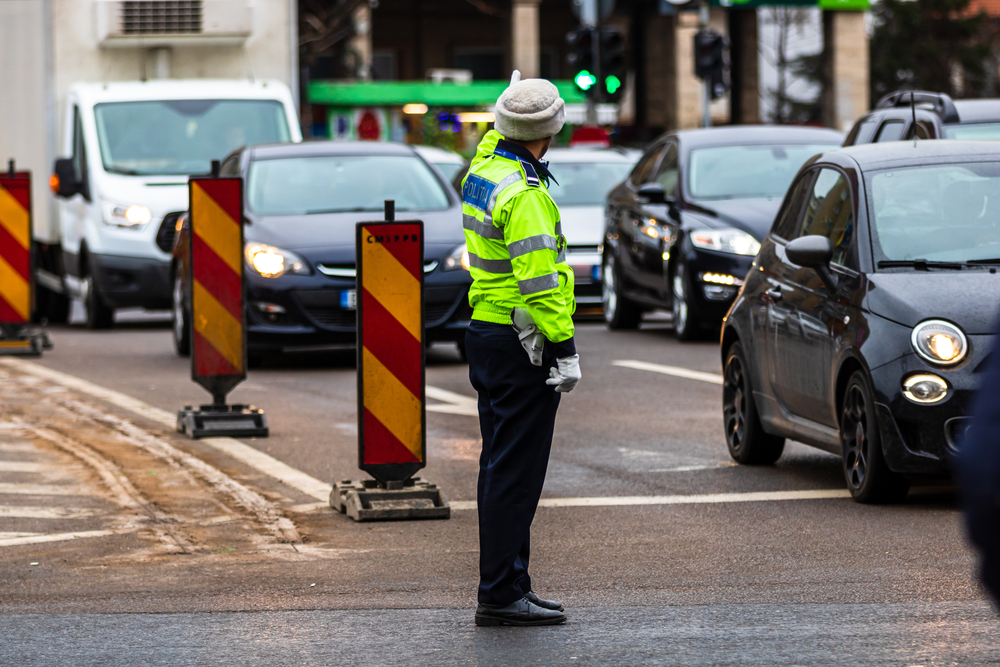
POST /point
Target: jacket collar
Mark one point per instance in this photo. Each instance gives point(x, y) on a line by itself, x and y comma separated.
point(512, 151)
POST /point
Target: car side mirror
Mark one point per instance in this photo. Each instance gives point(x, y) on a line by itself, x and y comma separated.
point(652, 193)
point(814, 252)
point(64, 183)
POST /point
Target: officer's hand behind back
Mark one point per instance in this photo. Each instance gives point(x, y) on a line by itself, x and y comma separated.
point(566, 373)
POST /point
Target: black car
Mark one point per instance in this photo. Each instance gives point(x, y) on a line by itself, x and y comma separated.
point(301, 203)
point(868, 312)
point(923, 115)
point(682, 230)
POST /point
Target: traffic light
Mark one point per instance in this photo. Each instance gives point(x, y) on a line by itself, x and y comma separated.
point(612, 70)
point(711, 60)
point(581, 59)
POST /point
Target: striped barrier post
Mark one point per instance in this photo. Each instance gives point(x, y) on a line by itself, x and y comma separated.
point(218, 328)
point(392, 438)
point(16, 270)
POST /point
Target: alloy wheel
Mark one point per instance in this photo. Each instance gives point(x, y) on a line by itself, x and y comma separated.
point(178, 303)
point(609, 296)
point(854, 436)
point(680, 305)
point(734, 403)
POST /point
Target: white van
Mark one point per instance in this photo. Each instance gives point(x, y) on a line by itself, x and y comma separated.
point(130, 148)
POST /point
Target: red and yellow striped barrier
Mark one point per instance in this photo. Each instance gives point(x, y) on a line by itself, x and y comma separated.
point(218, 335)
point(15, 249)
point(391, 415)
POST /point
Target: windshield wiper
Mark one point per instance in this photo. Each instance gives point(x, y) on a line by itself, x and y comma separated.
point(357, 209)
point(984, 261)
point(920, 264)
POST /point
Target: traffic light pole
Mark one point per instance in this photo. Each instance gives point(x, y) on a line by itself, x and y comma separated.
point(706, 102)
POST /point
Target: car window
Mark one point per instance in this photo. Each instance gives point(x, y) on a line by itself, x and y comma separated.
point(643, 171)
point(231, 167)
point(860, 133)
point(890, 131)
point(972, 131)
point(666, 173)
point(924, 130)
point(585, 183)
point(829, 212)
point(80, 154)
point(787, 222)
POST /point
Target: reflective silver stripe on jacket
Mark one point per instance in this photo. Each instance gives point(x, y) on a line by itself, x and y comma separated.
point(487, 231)
point(561, 257)
point(501, 186)
point(490, 265)
point(531, 244)
point(539, 284)
point(559, 228)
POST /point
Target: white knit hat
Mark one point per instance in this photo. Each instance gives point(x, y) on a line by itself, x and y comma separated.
point(529, 109)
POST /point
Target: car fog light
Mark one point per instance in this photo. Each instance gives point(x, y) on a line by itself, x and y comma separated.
point(720, 279)
point(925, 388)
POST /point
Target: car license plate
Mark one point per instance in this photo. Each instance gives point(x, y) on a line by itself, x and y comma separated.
point(349, 299)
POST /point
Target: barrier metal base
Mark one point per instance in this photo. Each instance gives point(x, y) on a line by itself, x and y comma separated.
point(237, 421)
point(367, 501)
point(24, 344)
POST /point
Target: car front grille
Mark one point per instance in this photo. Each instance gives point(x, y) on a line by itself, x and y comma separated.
point(167, 231)
point(323, 306)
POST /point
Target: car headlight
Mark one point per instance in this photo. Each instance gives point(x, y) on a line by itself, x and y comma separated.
point(272, 262)
point(733, 241)
point(925, 388)
point(939, 342)
point(124, 215)
point(457, 259)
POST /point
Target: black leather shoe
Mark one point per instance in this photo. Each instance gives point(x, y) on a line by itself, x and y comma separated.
point(544, 604)
point(522, 612)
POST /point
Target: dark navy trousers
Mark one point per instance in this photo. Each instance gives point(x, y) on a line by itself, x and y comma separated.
point(517, 414)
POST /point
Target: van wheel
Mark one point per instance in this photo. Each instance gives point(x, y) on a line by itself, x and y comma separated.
point(99, 315)
point(868, 476)
point(746, 439)
point(619, 311)
point(180, 323)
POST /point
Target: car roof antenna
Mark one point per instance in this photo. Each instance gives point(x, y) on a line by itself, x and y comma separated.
point(913, 110)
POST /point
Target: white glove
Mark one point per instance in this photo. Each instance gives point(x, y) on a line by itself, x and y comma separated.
point(566, 373)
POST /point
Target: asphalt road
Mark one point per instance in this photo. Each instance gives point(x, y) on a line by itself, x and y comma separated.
point(709, 573)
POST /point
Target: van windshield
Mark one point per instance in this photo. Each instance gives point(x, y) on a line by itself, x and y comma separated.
point(183, 136)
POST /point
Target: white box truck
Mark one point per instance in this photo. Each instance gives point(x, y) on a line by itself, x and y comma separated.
point(120, 101)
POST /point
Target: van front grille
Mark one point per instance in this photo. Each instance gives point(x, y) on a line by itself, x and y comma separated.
point(144, 17)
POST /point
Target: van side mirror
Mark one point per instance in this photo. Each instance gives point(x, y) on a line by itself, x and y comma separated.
point(64, 183)
point(814, 252)
point(652, 193)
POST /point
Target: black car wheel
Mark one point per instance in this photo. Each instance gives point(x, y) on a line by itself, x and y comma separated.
point(686, 323)
point(619, 311)
point(180, 324)
point(99, 315)
point(747, 441)
point(868, 476)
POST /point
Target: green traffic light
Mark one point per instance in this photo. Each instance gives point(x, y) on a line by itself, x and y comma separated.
point(584, 80)
point(612, 83)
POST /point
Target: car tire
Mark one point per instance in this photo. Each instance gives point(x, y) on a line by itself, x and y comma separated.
point(99, 314)
point(619, 311)
point(687, 326)
point(868, 476)
point(746, 439)
point(180, 320)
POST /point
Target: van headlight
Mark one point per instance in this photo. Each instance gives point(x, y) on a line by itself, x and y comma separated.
point(925, 388)
point(457, 259)
point(271, 262)
point(124, 215)
point(734, 241)
point(939, 342)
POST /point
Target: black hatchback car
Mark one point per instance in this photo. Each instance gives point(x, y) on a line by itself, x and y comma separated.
point(868, 312)
point(301, 203)
point(682, 229)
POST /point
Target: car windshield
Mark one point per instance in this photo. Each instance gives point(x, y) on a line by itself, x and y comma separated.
point(736, 172)
point(343, 183)
point(449, 169)
point(972, 131)
point(937, 213)
point(586, 183)
point(183, 136)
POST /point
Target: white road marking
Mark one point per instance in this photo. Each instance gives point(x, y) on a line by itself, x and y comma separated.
point(455, 404)
point(676, 371)
point(27, 466)
point(32, 512)
point(17, 447)
point(12, 536)
point(699, 499)
point(41, 489)
point(60, 537)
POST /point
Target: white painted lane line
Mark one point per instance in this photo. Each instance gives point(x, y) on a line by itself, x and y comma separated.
point(17, 447)
point(700, 499)
point(60, 537)
point(42, 489)
point(27, 466)
point(244, 453)
point(456, 404)
point(33, 512)
point(12, 536)
point(676, 371)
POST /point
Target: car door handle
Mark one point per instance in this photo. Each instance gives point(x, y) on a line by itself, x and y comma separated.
point(774, 294)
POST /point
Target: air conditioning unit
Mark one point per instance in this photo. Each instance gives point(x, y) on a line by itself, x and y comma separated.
point(154, 23)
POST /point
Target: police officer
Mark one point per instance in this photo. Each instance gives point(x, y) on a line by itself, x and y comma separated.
point(520, 341)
